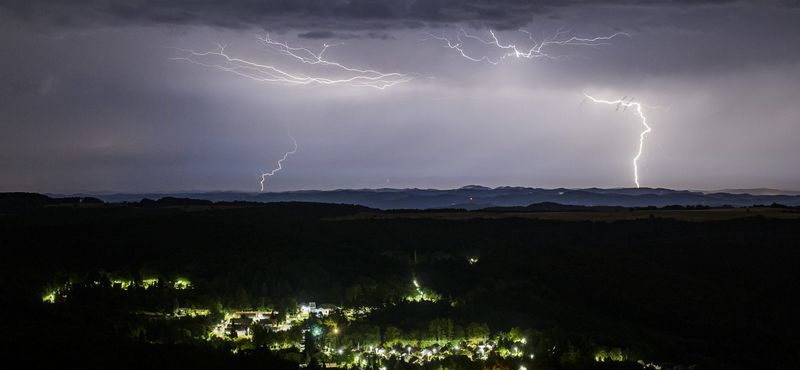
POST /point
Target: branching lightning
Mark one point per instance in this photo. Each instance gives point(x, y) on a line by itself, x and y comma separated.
point(280, 162)
point(346, 76)
point(304, 60)
point(309, 68)
point(462, 39)
point(510, 50)
point(627, 104)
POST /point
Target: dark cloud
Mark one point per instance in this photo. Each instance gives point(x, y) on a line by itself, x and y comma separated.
point(327, 34)
point(380, 35)
point(319, 14)
point(317, 35)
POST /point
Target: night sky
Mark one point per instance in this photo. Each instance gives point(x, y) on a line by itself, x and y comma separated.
point(94, 95)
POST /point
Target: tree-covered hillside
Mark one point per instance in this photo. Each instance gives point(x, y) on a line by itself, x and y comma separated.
point(716, 294)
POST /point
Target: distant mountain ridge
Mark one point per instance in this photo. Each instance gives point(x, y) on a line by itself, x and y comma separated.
point(474, 197)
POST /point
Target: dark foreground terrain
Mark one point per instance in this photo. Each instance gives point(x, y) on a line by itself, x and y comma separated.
point(709, 294)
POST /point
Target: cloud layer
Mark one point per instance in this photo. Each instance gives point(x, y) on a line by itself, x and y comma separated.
point(93, 98)
point(320, 14)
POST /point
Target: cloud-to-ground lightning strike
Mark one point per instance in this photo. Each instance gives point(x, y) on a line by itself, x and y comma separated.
point(511, 50)
point(346, 76)
point(280, 162)
point(647, 129)
point(458, 43)
point(325, 72)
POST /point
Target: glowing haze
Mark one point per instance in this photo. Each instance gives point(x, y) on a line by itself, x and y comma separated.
point(172, 96)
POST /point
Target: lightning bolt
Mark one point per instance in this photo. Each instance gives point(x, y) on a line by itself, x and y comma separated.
point(626, 105)
point(537, 50)
point(219, 59)
point(280, 162)
point(337, 74)
point(304, 58)
point(459, 42)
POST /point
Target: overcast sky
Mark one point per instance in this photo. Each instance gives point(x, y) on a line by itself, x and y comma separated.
point(95, 95)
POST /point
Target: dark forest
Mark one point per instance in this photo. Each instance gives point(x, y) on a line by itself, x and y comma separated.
point(512, 292)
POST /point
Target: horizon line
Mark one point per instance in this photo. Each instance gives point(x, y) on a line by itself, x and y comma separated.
point(750, 191)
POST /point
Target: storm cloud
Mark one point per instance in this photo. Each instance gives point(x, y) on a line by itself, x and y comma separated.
point(95, 96)
point(327, 14)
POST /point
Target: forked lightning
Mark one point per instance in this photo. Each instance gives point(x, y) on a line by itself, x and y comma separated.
point(622, 103)
point(280, 162)
point(311, 69)
point(323, 69)
point(509, 50)
point(304, 59)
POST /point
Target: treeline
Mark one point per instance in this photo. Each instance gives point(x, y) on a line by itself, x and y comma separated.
point(27, 202)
